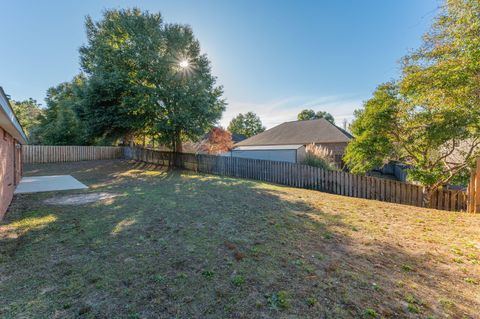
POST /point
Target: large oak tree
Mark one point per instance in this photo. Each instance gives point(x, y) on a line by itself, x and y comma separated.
point(146, 77)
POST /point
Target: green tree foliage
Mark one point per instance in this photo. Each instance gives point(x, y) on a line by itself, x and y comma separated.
point(432, 112)
point(309, 114)
point(374, 129)
point(147, 78)
point(189, 102)
point(248, 124)
point(122, 53)
point(60, 124)
point(29, 114)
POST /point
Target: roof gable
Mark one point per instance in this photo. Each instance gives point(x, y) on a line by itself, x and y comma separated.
point(300, 132)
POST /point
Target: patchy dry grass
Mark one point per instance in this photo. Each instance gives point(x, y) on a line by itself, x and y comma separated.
point(182, 245)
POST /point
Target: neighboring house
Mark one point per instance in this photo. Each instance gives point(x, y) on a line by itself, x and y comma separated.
point(287, 141)
point(462, 149)
point(284, 153)
point(11, 139)
point(236, 138)
point(455, 157)
point(393, 170)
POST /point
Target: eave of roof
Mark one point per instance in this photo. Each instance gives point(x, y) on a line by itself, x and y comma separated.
point(267, 147)
point(8, 120)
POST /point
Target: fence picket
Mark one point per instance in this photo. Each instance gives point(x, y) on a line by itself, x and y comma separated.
point(52, 154)
point(285, 173)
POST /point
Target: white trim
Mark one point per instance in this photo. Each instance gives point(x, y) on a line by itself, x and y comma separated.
point(268, 147)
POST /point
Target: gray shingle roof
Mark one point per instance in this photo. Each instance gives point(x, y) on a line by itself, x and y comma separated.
point(300, 132)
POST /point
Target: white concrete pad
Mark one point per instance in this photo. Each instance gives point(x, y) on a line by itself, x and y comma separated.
point(36, 184)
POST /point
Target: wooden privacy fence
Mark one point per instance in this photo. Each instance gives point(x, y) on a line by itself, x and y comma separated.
point(474, 191)
point(304, 176)
point(53, 154)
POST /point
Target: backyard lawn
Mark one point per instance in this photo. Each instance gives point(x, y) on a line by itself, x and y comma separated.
point(173, 244)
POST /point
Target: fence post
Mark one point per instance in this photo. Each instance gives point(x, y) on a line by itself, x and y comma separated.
point(290, 174)
point(475, 194)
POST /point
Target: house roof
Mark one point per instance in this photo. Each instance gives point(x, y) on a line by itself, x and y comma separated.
point(461, 151)
point(8, 120)
point(238, 137)
point(268, 147)
point(299, 132)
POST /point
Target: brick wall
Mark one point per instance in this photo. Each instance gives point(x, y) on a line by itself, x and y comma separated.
point(10, 169)
point(18, 163)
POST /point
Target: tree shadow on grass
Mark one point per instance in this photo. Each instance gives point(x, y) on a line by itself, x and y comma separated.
point(179, 244)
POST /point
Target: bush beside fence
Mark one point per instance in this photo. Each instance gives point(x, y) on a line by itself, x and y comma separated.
point(67, 153)
point(302, 176)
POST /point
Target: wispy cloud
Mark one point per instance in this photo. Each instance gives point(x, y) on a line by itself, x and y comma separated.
point(278, 111)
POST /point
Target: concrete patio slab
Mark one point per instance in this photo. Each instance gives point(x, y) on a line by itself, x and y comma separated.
point(36, 184)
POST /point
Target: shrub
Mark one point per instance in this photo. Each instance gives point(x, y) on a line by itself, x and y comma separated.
point(279, 300)
point(238, 280)
point(311, 301)
point(208, 274)
point(319, 156)
point(370, 313)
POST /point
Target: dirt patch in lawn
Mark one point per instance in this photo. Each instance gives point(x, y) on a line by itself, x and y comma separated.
point(79, 199)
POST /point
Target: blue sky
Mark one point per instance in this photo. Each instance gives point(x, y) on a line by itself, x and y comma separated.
point(272, 57)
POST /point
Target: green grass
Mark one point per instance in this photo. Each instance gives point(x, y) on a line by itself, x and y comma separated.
point(185, 245)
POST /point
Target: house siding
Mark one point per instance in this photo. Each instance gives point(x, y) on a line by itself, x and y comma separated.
point(270, 155)
point(292, 155)
point(301, 154)
point(10, 169)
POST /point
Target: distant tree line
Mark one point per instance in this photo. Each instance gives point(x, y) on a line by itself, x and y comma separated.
point(29, 114)
point(248, 124)
point(309, 114)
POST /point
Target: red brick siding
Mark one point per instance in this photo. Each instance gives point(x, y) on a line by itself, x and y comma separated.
point(18, 163)
point(10, 169)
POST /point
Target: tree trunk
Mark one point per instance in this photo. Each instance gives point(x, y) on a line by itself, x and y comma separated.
point(178, 143)
point(128, 139)
point(176, 149)
point(172, 158)
point(427, 196)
